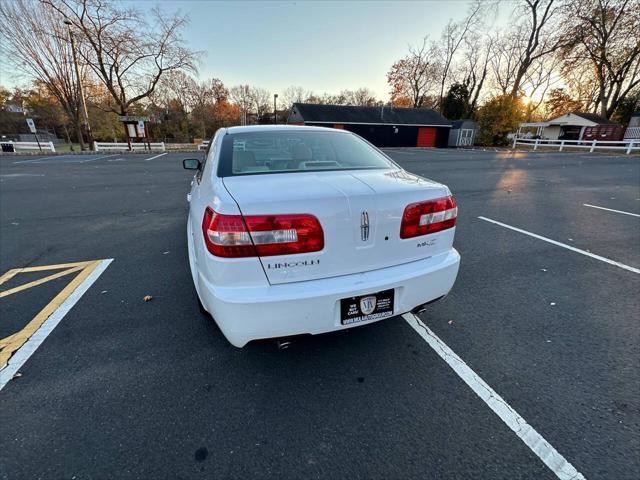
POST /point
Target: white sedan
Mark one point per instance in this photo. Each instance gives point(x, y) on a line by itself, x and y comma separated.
point(304, 230)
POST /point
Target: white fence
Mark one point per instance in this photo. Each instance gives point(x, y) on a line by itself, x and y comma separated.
point(123, 146)
point(629, 145)
point(32, 145)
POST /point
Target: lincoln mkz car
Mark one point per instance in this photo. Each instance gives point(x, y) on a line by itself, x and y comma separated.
point(305, 230)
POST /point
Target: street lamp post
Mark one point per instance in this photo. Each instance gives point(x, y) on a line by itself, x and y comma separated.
point(83, 102)
point(275, 115)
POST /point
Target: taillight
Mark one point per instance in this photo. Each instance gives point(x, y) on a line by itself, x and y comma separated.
point(431, 216)
point(226, 235)
point(263, 235)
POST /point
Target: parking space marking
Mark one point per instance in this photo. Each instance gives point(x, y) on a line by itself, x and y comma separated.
point(36, 160)
point(531, 438)
point(564, 245)
point(16, 349)
point(40, 281)
point(152, 158)
point(99, 158)
point(611, 210)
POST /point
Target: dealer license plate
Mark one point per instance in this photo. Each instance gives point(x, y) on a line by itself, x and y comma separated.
point(374, 306)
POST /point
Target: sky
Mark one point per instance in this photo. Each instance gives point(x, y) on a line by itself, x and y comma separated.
point(324, 46)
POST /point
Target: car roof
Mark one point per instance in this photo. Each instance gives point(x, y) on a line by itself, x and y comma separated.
point(274, 128)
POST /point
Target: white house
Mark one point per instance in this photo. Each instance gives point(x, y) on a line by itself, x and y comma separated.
point(569, 126)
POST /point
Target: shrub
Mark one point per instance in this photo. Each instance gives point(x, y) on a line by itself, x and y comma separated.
point(497, 118)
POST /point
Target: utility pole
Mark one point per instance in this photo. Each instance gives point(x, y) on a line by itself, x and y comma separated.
point(275, 115)
point(83, 102)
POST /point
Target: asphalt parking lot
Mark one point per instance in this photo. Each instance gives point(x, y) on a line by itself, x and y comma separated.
point(123, 388)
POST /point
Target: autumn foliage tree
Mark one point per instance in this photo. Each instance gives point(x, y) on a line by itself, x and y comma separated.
point(413, 76)
point(559, 102)
point(497, 118)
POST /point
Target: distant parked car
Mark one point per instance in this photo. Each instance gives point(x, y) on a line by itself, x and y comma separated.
point(305, 230)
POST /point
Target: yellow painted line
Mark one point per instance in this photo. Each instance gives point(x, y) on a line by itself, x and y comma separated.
point(12, 273)
point(9, 275)
point(40, 281)
point(12, 343)
point(58, 266)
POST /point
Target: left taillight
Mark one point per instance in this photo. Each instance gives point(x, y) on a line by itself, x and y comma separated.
point(235, 236)
point(423, 218)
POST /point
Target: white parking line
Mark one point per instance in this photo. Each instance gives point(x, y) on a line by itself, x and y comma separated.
point(531, 438)
point(36, 160)
point(564, 245)
point(147, 159)
point(99, 158)
point(22, 355)
point(611, 210)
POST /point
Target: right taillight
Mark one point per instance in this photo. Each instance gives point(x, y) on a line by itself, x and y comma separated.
point(236, 236)
point(430, 216)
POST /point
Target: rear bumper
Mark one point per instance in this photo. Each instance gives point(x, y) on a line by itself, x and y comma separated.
point(250, 313)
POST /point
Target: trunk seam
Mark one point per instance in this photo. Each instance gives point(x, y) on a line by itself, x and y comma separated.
point(247, 228)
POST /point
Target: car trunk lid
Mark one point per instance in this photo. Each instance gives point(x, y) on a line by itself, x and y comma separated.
point(360, 212)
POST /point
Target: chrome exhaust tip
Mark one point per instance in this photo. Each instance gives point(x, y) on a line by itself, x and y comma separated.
point(421, 308)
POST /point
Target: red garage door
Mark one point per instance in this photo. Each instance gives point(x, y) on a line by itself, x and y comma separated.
point(426, 137)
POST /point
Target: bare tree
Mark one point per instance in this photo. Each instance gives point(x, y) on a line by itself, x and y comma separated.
point(293, 94)
point(362, 97)
point(328, 98)
point(261, 101)
point(36, 41)
point(606, 35)
point(175, 86)
point(477, 55)
point(505, 60)
point(453, 35)
point(534, 36)
point(543, 74)
point(414, 75)
point(241, 96)
point(127, 50)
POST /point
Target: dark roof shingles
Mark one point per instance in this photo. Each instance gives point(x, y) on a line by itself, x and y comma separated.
point(369, 115)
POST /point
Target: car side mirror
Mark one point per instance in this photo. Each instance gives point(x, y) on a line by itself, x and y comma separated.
point(191, 164)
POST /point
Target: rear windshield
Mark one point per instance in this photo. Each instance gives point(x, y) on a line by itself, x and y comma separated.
point(296, 151)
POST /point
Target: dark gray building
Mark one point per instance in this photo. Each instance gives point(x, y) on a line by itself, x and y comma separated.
point(383, 126)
